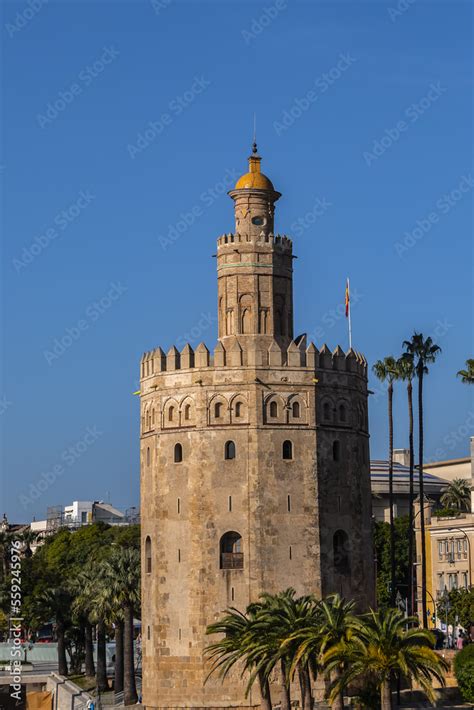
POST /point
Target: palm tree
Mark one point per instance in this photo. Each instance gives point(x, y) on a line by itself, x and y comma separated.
point(55, 602)
point(122, 574)
point(386, 371)
point(278, 620)
point(235, 647)
point(406, 373)
point(457, 495)
point(84, 588)
point(467, 375)
point(5, 541)
point(332, 620)
point(421, 352)
point(380, 648)
point(27, 537)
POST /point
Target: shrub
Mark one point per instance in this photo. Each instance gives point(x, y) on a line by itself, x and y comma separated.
point(464, 671)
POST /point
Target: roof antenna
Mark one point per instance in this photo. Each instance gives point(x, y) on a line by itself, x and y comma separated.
point(254, 146)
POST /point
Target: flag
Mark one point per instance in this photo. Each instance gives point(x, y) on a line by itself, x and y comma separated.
point(348, 299)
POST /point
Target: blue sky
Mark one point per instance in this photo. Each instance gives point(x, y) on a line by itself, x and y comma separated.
point(122, 121)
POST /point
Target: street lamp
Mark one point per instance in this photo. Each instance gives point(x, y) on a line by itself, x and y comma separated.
point(468, 551)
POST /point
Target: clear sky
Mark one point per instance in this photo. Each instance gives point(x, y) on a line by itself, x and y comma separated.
point(125, 120)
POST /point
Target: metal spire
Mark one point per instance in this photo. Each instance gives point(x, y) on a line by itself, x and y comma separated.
point(254, 146)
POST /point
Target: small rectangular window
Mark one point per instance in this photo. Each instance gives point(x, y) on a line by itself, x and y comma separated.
point(289, 503)
point(179, 506)
point(148, 633)
point(232, 594)
point(179, 555)
point(179, 634)
point(291, 553)
point(230, 504)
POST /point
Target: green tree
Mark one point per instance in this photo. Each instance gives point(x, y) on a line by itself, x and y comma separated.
point(406, 373)
point(386, 371)
point(235, 647)
point(457, 495)
point(382, 551)
point(460, 607)
point(467, 375)
point(380, 648)
point(54, 602)
point(122, 575)
point(421, 352)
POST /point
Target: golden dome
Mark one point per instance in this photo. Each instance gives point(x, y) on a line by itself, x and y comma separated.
point(254, 178)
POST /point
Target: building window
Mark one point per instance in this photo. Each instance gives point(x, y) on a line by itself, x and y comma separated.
point(287, 450)
point(148, 555)
point(231, 555)
point(452, 581)
point(441, 581)
point(218, 410)
point(178, 453)
point(230, 504)
point(187, 412)
point(288, 503)
point(153, 417)
point(148, 456)
point(465, 580)
point(229, 450)
point(148, 634)
point(179, 506)
point(342, 413)
point(170, 414)
point(326, 411)
point(341, 552)
point(440, 549)
point(336, 451)
point(238, 409)
point(296, 410)
point(290, 553)
point(273, 409)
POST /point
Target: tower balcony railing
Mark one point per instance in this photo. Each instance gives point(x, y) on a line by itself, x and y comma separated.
point(232, 560)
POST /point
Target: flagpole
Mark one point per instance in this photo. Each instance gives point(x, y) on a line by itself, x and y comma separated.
point(349, 315)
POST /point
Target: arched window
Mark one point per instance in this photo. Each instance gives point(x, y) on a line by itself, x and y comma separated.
point(218, 410)
point(246, 321)
point(229, 450)
point(296, 410)
point(336, 451)
point(273, 409)
point(342, 413)
point(187, 412)
point(341, 552)
point(238, 409)
point(178, 453)
point(326, 411)
point(148, 555)
point(170, 414)
point(287, 450)
point(148, 456)
point(231, 555)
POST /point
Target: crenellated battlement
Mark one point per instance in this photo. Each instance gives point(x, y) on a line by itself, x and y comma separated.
point(240, 354)
point(277, 239)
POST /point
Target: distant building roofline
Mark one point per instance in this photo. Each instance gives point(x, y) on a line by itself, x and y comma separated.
point(447, 462)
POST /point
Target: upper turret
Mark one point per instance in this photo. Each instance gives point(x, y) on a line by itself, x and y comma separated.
point(254, 197)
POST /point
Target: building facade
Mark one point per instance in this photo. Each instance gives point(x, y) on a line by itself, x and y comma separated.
point(254, 464)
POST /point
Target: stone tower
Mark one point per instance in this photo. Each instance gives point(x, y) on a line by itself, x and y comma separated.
point(254, 464)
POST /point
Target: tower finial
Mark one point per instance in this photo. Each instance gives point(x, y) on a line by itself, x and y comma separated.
point(254, 146)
